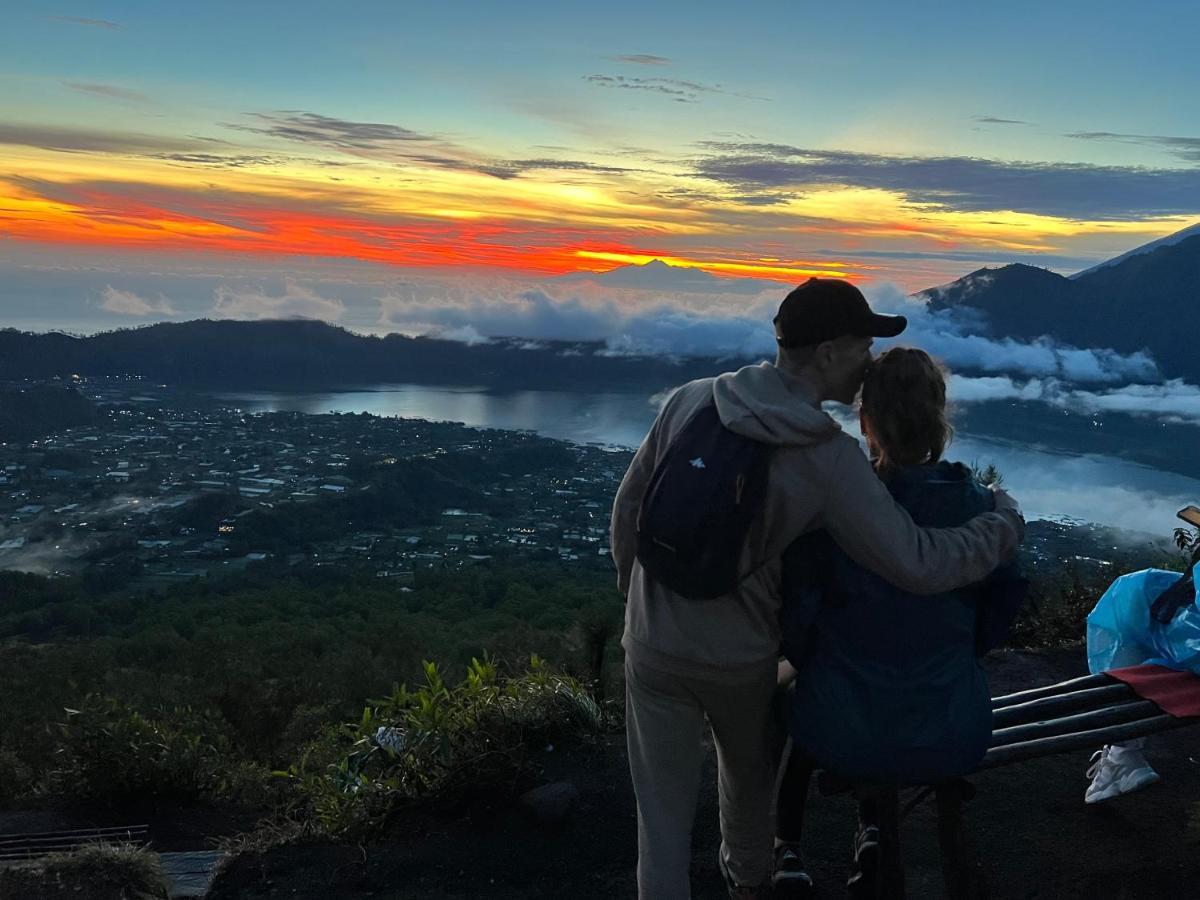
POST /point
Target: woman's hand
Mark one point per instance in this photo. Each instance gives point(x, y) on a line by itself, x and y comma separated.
point(787, 673)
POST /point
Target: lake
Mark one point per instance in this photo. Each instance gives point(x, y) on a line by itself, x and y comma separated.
point(1049, 458)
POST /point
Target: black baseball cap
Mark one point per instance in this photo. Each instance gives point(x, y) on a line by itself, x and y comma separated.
point(823, 309)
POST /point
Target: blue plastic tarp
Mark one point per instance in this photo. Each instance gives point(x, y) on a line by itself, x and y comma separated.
point(1120, 631)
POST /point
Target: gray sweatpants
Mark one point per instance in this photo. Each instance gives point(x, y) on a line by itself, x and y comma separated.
point(664, 721)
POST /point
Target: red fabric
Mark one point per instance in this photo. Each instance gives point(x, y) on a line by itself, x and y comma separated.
point(1178, 693)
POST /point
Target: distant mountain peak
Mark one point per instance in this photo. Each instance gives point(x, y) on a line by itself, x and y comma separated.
point(1013, 275)
point(657, 275)
point(1170, 240)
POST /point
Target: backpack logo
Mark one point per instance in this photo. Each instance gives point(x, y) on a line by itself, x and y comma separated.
point(697, 463)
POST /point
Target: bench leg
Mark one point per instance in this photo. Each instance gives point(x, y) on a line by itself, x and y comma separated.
point(890, 882)
point(960, 869)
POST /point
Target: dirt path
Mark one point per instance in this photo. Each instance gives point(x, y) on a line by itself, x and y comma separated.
point(1035, 836)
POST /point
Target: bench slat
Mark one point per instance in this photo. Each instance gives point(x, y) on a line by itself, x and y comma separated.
point(84, 833)
point(1092, 739)
point(1112, 715)
point(1052, 707)
point(1050, 690)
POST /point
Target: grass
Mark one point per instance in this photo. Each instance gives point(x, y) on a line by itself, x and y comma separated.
point(97, 872)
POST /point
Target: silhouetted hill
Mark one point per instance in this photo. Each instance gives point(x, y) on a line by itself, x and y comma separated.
point(1147, 300)
point(301, 353)
point(39, 409)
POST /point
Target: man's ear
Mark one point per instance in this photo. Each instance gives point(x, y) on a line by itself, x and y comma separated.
point(823, 355)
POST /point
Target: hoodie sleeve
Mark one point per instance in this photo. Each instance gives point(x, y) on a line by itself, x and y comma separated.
point(878, 534)
point(623, 530)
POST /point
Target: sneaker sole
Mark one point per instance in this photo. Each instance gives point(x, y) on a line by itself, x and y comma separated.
point(792, 886)
point(1134, 781)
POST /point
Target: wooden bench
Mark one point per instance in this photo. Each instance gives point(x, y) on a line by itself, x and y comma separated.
point(1082, 713)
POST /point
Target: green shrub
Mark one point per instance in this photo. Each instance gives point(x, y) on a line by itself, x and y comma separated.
point(97, 872)
point(113, 754)
point(17, 779)
point(437, 745)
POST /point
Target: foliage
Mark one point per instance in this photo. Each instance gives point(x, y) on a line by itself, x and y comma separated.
point(1187, 540)
point(98, 872)
point(438, 745)
point(987, 475)
point(266, 661)
point(1056, 611)
point(113, 754)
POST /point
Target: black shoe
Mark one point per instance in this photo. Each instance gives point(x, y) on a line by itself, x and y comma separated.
point(866, 862)
point(791, 881)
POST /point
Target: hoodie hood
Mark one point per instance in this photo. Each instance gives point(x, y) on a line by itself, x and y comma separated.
point(767, 404)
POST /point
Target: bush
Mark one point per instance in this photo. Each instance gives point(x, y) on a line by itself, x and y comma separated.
point(438, 745)
point(97, 872)
point(113, 754)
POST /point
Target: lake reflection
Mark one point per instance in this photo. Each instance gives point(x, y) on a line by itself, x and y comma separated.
point(611, 419)
point(1048, 480)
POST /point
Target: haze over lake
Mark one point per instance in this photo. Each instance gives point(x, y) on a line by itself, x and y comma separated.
point(1053, 475)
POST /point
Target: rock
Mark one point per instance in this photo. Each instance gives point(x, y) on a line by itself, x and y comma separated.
point(551, 803)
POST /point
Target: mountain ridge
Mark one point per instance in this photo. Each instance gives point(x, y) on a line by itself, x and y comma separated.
point(1142, 302)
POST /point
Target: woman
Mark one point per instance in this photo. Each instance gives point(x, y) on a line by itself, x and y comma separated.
point(889, 688)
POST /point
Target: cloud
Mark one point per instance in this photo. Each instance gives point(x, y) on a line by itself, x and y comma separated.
point(219, 161)
point(375, 140)
point(993, 120)
point(1170, 401)
point(107, 90)
point(517, 166)
point(729, 326)
point(955, 339)
point(77, 20)
point(464, 334)
point(127, 303)
point(344, 134)
point(296, 301)
point(968, 184)
point(1175, 400)
point(1183, 147)
point(1004, 257)
point(990, 388)
point(676, 88)
point(49, 137)
point(642, 59)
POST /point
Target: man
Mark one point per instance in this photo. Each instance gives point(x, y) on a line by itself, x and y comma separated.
point(688, 659)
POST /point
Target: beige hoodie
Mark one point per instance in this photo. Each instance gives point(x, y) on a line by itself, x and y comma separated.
point(819, 478)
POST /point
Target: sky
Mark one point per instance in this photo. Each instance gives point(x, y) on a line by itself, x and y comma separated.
point(360, 161)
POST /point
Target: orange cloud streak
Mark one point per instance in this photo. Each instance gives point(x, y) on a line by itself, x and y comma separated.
point(187, 221)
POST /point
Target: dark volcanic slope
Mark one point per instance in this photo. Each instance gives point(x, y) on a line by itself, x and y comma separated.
point(1149, 301)
point(297, 353)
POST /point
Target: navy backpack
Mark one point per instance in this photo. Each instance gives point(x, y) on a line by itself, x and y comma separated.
point(699, 506)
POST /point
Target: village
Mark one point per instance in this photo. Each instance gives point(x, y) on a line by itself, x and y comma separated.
point(129, 489)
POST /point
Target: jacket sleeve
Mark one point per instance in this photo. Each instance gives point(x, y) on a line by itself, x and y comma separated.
point(623, 529)
point(878, 534)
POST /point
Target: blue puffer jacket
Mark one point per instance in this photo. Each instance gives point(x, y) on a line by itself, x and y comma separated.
point(890, 687)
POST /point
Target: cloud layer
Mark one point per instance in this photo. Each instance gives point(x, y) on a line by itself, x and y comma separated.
point(965, 184)
point(127, 303)
point(296, 301)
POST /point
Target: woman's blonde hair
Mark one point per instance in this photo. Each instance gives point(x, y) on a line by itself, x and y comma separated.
point(904, 409)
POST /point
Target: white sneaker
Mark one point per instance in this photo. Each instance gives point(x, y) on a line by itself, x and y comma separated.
point(1115, 771)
